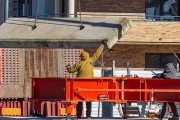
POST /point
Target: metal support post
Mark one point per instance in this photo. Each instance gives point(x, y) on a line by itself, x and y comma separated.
point(98, 108)
point(71, 8)
point(48, 108)
point(177, 66)
point(125, 117)
point(6, 10)
point(113, 69)
point(122, 88)
point(128, 71)
point(57, 7)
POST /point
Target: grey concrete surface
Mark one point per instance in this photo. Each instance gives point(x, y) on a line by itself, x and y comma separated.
point(62, 32)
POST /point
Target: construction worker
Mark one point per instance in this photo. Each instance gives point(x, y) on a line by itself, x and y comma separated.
point(168, 73)
point(85, 70)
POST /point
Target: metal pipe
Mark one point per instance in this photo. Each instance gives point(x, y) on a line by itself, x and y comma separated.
point(71, 8)
point(6, 10)
point(113, 69)
point(98, 108)
point(122, 88)
point(128, 72)
point(125, 111)
point(57, 7)
point(62, 8)
point(131, 90)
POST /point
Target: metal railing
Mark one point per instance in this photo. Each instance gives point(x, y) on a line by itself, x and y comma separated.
point(132, 17)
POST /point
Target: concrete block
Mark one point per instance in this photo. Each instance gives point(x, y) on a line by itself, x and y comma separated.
point(62, 32)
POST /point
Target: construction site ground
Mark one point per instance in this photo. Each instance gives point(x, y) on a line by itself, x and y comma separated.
point(84, 118)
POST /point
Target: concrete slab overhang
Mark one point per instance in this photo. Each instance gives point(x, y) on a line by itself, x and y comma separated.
point(62, 32)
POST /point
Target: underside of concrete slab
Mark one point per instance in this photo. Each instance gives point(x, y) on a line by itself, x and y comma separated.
point(62, 32)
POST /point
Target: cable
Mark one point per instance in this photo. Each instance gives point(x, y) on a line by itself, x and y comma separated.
point(80, 15)
point(36, 13)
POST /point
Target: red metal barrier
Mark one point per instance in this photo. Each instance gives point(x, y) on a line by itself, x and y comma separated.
point(70, 91)
point(53, 108)
point(12, 107)
point(57, 96)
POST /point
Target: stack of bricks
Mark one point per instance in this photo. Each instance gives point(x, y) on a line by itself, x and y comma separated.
point(71, 56)
point(9, 65)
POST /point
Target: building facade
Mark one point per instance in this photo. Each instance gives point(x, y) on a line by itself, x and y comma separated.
point(1, 12)
point(154, 34)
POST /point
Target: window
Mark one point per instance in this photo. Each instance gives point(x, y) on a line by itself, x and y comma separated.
point(162, 8)
point(170, 7)
point(45, 7)
point(154, 60)
point(152, 7)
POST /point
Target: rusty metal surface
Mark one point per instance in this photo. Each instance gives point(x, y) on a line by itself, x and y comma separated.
point(33, 63)
point(43, 63)
point(13, 90)
point(64, 118)
point(107, 89)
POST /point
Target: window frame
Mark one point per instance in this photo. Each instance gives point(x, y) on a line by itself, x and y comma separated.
point(161, 58)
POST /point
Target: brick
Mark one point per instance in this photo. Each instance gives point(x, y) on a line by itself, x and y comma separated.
point(144, 31)
point(109, 6)
point(135, 54)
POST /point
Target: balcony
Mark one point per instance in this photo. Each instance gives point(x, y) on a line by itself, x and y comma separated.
point(105, 15)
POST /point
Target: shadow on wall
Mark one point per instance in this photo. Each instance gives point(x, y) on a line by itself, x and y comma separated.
point(99, 24)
